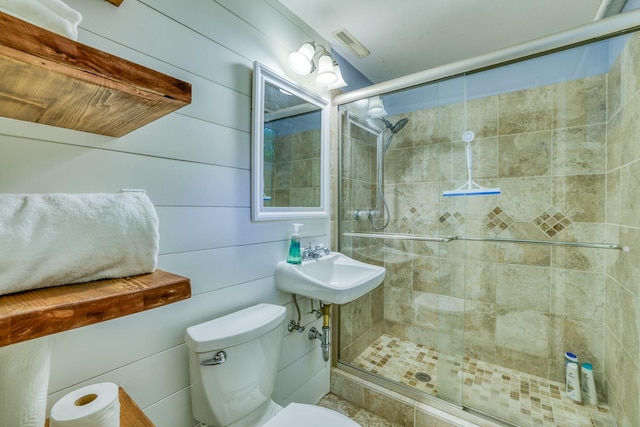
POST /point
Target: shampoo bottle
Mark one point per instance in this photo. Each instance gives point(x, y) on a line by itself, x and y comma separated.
point(573, 382)
point(588, 385)
point(568, 358)
point(294, 249)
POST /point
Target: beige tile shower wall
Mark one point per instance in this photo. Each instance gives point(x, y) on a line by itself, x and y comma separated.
point(514, 305)
point(622, 318)
point(361, 320)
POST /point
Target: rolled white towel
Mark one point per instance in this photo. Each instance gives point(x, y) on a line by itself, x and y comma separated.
point(56, 239)
point(61, 9)
point(37, 13)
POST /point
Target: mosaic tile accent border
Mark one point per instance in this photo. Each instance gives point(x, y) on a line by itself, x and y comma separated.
point(498, 220)
point(411, 219)
point(552, 221)
point(452, 219)
point(517, 397)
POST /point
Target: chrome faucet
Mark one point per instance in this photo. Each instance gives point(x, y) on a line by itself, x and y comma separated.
point(314, 253)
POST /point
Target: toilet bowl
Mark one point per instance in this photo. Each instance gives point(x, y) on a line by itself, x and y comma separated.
point(233, 362)
point(298, 414)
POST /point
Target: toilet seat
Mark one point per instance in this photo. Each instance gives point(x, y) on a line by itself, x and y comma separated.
point(298, 414)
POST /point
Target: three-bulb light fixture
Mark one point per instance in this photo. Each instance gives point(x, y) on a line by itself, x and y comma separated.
point(303, 62)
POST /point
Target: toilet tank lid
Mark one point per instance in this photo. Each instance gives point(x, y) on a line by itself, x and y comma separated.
point(235, 328)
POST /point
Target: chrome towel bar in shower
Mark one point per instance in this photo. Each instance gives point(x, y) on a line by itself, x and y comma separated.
point(446, 239)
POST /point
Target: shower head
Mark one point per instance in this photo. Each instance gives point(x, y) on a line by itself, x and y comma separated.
point(397, 127)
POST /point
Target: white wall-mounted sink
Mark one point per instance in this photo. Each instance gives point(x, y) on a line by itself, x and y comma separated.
point(332, 279)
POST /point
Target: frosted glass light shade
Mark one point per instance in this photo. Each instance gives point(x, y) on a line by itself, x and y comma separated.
point(376, 108)
point(326, 75)
point(340, 80)
point(300, 61)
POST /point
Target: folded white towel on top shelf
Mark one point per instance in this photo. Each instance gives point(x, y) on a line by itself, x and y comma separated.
point(53, 15)
point(56, 239)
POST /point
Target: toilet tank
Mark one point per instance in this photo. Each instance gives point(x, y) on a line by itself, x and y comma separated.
point(251, 340)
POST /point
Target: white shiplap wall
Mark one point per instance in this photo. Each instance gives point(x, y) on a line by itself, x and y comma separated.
point(195, 166)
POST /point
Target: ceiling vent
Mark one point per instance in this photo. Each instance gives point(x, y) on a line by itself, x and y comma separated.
point(351, 43)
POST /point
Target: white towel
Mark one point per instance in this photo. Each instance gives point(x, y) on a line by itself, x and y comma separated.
point(56, 239)
point(61, 9)
point(52, 15)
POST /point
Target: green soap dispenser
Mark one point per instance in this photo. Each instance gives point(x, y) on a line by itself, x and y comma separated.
point(294, 249)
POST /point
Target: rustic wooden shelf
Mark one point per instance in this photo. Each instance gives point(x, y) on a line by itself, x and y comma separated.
point(130, 414)
point(32, 314)
point(50, 79)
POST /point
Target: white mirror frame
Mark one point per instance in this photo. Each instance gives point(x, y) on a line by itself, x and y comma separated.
point(261, 76)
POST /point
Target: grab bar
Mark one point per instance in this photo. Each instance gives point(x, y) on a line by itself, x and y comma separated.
point(486, 239)
point(401, 237)
point(547, 242)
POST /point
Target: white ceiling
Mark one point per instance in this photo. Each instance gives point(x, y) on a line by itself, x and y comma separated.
point(406, 36)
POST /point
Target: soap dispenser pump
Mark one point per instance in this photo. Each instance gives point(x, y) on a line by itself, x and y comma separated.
point(294, 249)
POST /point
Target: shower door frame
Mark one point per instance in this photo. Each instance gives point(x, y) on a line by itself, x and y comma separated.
point(623, 23)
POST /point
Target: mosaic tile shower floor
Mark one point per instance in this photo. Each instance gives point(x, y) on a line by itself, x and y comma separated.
point(520, 398)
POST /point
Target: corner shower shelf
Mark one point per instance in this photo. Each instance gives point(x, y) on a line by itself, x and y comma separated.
point(40, 312)
point(53, 80)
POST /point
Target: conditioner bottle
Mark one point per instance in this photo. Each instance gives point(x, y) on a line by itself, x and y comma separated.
point(588, 385)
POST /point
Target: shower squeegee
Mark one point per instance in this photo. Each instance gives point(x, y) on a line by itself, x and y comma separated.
point(470, 188)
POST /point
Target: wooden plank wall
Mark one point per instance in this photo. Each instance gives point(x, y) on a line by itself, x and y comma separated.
point(195, 166)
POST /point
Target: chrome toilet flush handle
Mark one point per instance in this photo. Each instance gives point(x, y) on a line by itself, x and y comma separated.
point(219, 358)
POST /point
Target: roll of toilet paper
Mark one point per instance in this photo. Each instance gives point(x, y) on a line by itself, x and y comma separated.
point(24, 379)
point(95, 405)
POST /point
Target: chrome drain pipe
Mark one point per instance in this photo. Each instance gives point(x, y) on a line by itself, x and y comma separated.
point(325, 335)
point(324, 339)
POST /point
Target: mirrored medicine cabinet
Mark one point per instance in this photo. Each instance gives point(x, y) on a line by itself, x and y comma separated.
point(290, 150)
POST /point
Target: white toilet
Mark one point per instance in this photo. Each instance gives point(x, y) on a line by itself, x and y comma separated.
point(233, 361)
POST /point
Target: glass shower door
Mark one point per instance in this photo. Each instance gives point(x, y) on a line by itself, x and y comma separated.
point(409, 331)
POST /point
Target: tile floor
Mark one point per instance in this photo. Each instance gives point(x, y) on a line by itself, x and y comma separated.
point(356, 413)
point(522, 399)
